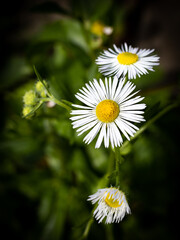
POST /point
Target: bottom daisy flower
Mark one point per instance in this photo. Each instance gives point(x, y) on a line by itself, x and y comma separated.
point(112, 204)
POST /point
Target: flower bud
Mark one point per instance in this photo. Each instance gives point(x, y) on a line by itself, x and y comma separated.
point(40, 88)
point(26, 110)
point(30, 98)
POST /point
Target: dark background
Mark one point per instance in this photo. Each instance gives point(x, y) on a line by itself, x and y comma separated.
point(46, 172)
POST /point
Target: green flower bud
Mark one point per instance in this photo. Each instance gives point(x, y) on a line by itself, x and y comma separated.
point(26, 110)
point(40, 88)
point(29, 98)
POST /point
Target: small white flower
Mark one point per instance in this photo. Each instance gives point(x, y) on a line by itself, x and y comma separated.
point(126, 60)
point(110, 110)
point(112, 204)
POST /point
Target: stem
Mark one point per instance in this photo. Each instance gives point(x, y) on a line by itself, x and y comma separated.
point(33, 111)
point(110, 167)
point(58, 102)
point(143, 128)
point(61, 103)
point(41, 80)
point(109, 232)
point(103, 182)
point(67, 102)
point(117, 173)
point(87, 229)
point(118, 161)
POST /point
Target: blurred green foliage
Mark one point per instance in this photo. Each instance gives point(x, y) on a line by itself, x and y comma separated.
point(47, 172)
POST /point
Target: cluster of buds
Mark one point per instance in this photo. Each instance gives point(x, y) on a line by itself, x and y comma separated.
point(32, 99)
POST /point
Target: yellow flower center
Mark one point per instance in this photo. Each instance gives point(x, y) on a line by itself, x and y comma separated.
point(127, 58)
point(107, 111)
point(111, 202)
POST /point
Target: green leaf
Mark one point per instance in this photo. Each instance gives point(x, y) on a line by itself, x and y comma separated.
point(67, 31)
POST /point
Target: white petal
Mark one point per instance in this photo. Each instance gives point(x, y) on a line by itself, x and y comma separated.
point(109, 65)
point(92, 134)
point(101, 135)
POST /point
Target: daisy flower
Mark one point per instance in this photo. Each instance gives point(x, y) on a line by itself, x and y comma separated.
point(126, 60)
point(109, 109)
point(112, 204)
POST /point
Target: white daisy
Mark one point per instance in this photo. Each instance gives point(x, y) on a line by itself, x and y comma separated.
point(126, 60)
point(112, 204)
point(110, 110)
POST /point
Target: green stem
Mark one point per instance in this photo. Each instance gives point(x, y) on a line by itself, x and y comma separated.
point(41, 80)
point(67, 102)
point(117, 173)
point(104, 181)
point(61, 104)
point(147, 124)
point(87, 229)
point(34, 110)
point(58, 102)
point(118, 161)
point(109, 232)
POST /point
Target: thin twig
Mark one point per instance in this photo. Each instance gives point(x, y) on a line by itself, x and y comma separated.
point(147, 124)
